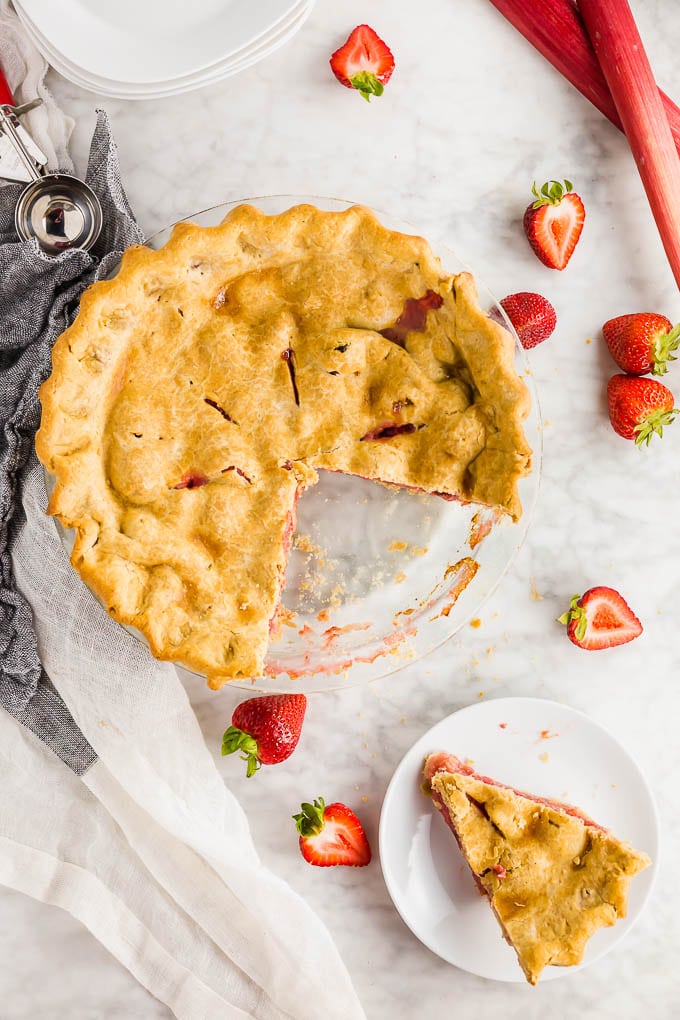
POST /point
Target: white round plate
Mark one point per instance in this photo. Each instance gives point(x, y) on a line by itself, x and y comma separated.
point(234, 64)
point(155, 40)
point(540, 746)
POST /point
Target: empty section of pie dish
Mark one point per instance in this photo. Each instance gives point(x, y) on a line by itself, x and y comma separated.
point(378, 577)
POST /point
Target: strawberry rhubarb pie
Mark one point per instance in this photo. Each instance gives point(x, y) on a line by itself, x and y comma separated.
point(198, 393)
point(552, 876)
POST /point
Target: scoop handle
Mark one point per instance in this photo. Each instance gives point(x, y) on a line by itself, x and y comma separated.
point(6, 97)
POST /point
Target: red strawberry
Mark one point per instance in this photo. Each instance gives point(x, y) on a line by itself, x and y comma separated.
point(553, 223)
point(265, 729)
point(532, 315)
point(642, 342)
point(600, 618)
point(639, 407)
point(331, 835)
point(364, 62)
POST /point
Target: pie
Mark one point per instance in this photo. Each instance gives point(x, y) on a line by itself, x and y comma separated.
point(198, 393)
point(553, 876)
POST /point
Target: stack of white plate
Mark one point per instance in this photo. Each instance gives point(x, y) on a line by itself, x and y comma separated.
point(145, 49)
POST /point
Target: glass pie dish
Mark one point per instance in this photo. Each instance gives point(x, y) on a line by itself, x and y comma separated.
point(378, 577)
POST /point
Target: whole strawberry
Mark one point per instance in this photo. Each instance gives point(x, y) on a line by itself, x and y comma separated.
point(266, 729)
point(364, 62)
point(600, 618)
point(553, 222)
point(639, 408)
point(642, 343)
point(532, 315)
point(331, 834)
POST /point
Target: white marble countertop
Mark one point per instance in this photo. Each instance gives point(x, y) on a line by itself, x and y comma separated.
point(470, 119)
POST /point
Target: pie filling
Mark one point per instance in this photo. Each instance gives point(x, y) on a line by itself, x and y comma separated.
point(199, 391)
point(551, 875)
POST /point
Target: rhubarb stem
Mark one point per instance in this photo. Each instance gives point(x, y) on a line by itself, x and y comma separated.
point(623, 60)
point(555, 29)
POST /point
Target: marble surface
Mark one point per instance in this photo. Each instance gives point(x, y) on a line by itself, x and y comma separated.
point(471, 118)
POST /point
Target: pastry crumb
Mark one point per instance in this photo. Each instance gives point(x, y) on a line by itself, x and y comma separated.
point(589, 340)
point(364, 800)
point(400, 577)
point(535, 594)
point(397, 546)
point(547, 735)
point(480, 694)
point(545, 757)
point(476, 622)
point(419, 550)
point(322, 616)
point(502, 726)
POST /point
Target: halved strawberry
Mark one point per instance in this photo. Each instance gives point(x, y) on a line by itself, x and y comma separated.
point(600, 618)
point(642, 342)
point(553, 222)
point(266, 729)
point(532, 315)
point(331, 835)
point(364, 62)
point(639, 408)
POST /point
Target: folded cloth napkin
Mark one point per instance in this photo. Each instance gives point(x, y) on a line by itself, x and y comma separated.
point(133, 830)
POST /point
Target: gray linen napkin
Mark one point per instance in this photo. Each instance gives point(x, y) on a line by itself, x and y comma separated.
point(39, 297)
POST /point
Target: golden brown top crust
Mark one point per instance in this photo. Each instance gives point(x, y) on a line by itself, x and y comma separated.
point(552, 880)
point(197, 393)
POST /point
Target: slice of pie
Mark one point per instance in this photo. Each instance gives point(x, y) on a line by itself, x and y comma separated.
point(198, 393)
point(553, 876)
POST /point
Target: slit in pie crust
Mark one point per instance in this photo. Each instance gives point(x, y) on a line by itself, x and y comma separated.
point(198, 393)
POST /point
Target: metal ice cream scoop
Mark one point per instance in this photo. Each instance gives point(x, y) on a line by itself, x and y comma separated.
point(59, 210)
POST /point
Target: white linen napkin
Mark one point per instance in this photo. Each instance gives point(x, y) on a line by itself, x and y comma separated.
point(25, 70)
point(148, 848)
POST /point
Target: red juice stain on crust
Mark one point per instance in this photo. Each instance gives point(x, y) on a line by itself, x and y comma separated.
point(192, 480)
point(414, 317)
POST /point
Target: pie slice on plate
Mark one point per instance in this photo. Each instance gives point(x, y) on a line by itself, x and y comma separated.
point(198, 393)
point(552, 876)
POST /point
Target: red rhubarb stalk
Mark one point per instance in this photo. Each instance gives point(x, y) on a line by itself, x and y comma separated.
point(556, 30)
point(623, 60)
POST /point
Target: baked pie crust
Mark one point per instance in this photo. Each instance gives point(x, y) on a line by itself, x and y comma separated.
point(199, 391)
point(553, 877)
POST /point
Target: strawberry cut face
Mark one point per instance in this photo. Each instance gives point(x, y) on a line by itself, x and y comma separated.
point(331, 835)
point(364, 62)
point(554, 222)
point(600, 618)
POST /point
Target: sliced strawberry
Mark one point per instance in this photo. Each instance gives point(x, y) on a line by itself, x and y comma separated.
point(267, 729)
point(553, 223)
point(639, 408)
point(364, 62)
point(642, 342)
point(532, 315)
point(600, 618)
point(331, 835)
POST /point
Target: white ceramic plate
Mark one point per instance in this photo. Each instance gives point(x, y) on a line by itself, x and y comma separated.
point(575, 760)
point(153, 41)
point(239, 61)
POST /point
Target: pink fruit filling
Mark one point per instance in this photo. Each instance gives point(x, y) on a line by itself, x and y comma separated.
point(388, 430)
point(414, 317)
point(441, 761)
point(192, 480)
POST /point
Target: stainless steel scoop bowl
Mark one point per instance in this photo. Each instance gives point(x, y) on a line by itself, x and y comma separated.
point(60, 211)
